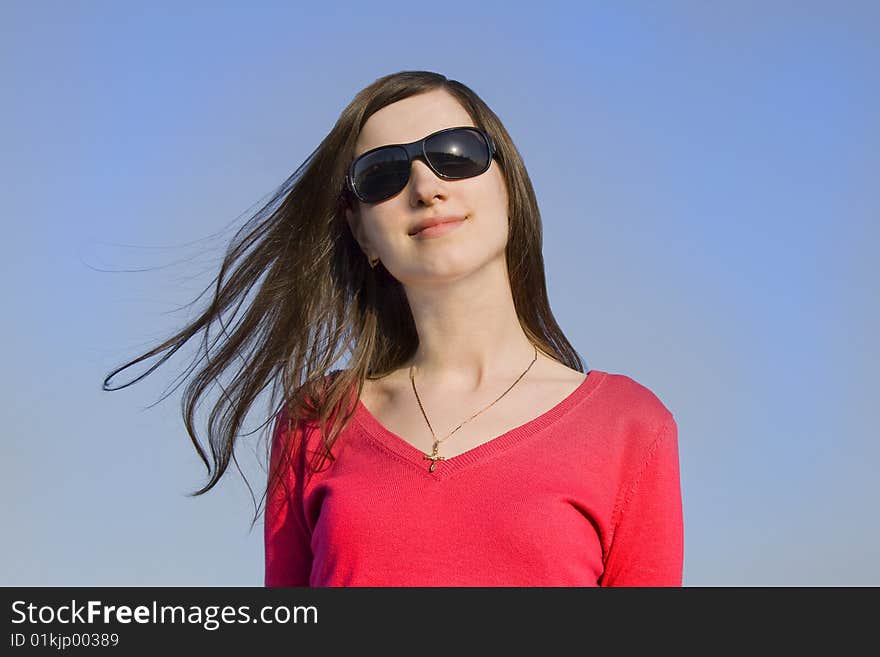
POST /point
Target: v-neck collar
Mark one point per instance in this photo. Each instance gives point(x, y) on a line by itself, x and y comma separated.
point(377, 432)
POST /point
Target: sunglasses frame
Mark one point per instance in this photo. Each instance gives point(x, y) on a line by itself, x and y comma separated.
point(415, 150)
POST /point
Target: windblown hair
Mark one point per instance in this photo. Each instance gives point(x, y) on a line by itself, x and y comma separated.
point(318, 296)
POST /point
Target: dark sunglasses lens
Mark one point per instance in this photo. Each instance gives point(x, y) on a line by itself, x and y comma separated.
point(381, 174)
point(458, 153)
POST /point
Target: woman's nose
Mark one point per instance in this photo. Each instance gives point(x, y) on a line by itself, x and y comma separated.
point(423, 181)
point(421, 174)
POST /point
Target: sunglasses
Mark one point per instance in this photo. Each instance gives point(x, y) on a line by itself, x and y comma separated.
point(452, 154)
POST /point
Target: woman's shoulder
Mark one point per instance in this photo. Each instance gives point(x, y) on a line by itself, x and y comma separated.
point(305, 397)
point(639, 395)
point(638, 407)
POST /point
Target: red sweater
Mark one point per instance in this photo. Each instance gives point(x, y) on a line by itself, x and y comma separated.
point(587, 494)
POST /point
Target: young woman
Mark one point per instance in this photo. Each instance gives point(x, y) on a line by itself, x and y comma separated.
point(462, 445)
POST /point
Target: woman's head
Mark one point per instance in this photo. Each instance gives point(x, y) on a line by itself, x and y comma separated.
point(385, 229)
point(317, 298)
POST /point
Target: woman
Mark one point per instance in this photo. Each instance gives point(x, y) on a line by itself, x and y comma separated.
point(466, 447)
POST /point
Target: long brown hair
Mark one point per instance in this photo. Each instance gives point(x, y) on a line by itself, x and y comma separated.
point(319, 297)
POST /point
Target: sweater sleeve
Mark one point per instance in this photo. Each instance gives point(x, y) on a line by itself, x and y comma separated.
point(647, 547)
point(287, 539)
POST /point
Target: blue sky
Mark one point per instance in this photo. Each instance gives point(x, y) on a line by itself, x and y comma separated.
point(707, 178)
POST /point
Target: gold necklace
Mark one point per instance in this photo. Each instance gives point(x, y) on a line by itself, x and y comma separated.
point(433, 455)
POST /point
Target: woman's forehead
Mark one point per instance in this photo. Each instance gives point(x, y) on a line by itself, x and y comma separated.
point(410, 119)
point(420, 135)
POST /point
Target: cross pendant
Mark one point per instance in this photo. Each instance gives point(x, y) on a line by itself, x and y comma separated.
point(433, 456)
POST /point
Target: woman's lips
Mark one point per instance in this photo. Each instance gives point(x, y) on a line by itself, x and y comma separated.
point(439, 229)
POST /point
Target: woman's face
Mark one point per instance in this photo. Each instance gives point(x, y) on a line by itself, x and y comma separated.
point(383, 229)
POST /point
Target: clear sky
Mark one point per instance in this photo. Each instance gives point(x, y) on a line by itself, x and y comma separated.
point(707, 175)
